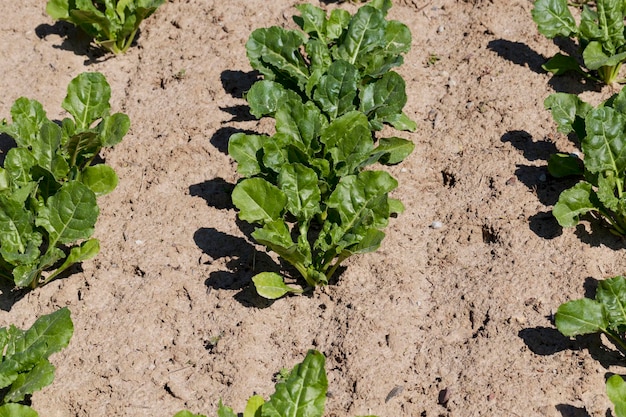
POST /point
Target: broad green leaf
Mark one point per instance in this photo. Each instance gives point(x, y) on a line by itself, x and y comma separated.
point(337, 89)
point(365, 32)
point(185, 413)
point(101, 179)
point(41, 375)
point(253, 406)
point(19, 242)
point(49, 334)
point(300, 124)
point(370, 242)
point(223, 411)
point(349, 142)
point(395, 206)
point(382, 5)
point(19, 162)
point(573, 203)
point(270, 285)
point(402, 122)
point(265, 97)
point(312, 21)
point(303, 394)
point(605, 144)
point(595, 57)
point(384, 98)
point(300, 185)
point(113, 128)
point(70, 214)
point(47, 150)
point(82, 147)
point(611, 294)
point(391, 151)
point(397, 38)
point(616, 391)
point(553, 18)
point(275, 52)
point(17, 410)
point(26, 275)
point(338, 21)
point(244, 149)
point(275, 235)
point(578, 317)
point(258, 201)
point(87, 98)
point(569, 112)
point(562, 165)
point(560, 64)
point(607, 186)
point(58, 9)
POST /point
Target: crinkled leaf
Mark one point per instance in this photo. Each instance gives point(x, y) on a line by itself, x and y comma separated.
point(275, 52)
point(384, 98)
point(303, 394)
point(312, 20)
point(337, 89)
point(300, 185)
point(301, 125)
point(101, 179)
point(365, 32)
point(265, 97)
point(70, 214)
point(606, 191)
point(19, 162)
point(616, 391)
point(553, 18)
point(258, 201)
point(573, 203)
point(605, 144)
point(611, 294)
point(28, 117)
point(19, 242)
point(579, 317)
point(113, 128)
point(349, 141)
point(569, 112)
point(338, 21)
point(87, 98)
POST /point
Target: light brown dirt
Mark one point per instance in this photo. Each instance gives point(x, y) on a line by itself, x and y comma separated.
point(462, 312)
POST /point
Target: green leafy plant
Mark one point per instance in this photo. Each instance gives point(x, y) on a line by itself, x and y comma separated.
point(603, 168)
point(302, 394)
point(600, 36)
point(49, 182)
point(308, 180)
point(339, 62)
point(113, 24)
point(24, 364)
point(605, 314)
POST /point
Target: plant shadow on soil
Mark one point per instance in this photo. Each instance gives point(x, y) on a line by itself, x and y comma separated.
point(547, 189)
point(77, 41)
point(521, 54)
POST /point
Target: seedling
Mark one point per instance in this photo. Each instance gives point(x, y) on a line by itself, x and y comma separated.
point(49, 182)
point(306, 186)
point(605, 314)
point(24, 364)
point(600, 36)
point(603, 168)
point(302, 394)
point(113, 24)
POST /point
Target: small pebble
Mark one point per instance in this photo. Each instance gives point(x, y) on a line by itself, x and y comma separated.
point(440, 29)
point(436, 225)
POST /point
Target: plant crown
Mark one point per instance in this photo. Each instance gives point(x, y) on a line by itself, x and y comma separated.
point(49, 183)
point(113, 24)
point(600, 37)
point(308, 179)
point(24, 364)
point(302, 394)
point(603, 168)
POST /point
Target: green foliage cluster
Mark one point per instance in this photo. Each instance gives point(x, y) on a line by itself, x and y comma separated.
point(49, 182)
point(302, 394)
point(328, 90)
point(600, 36)
point(24, 364)
point(603, 169)
point(113, 24)
point(605, 314)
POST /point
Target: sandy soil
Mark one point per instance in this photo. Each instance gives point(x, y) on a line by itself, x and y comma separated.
point(165, 318)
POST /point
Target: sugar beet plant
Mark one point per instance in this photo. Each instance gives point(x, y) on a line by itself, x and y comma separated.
point(24, 364)
point(600, 36)
point(301, 394)
point(306, 185)
point(49, 182)
point(113, 24)
point(605, 314)
point(601, 132)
